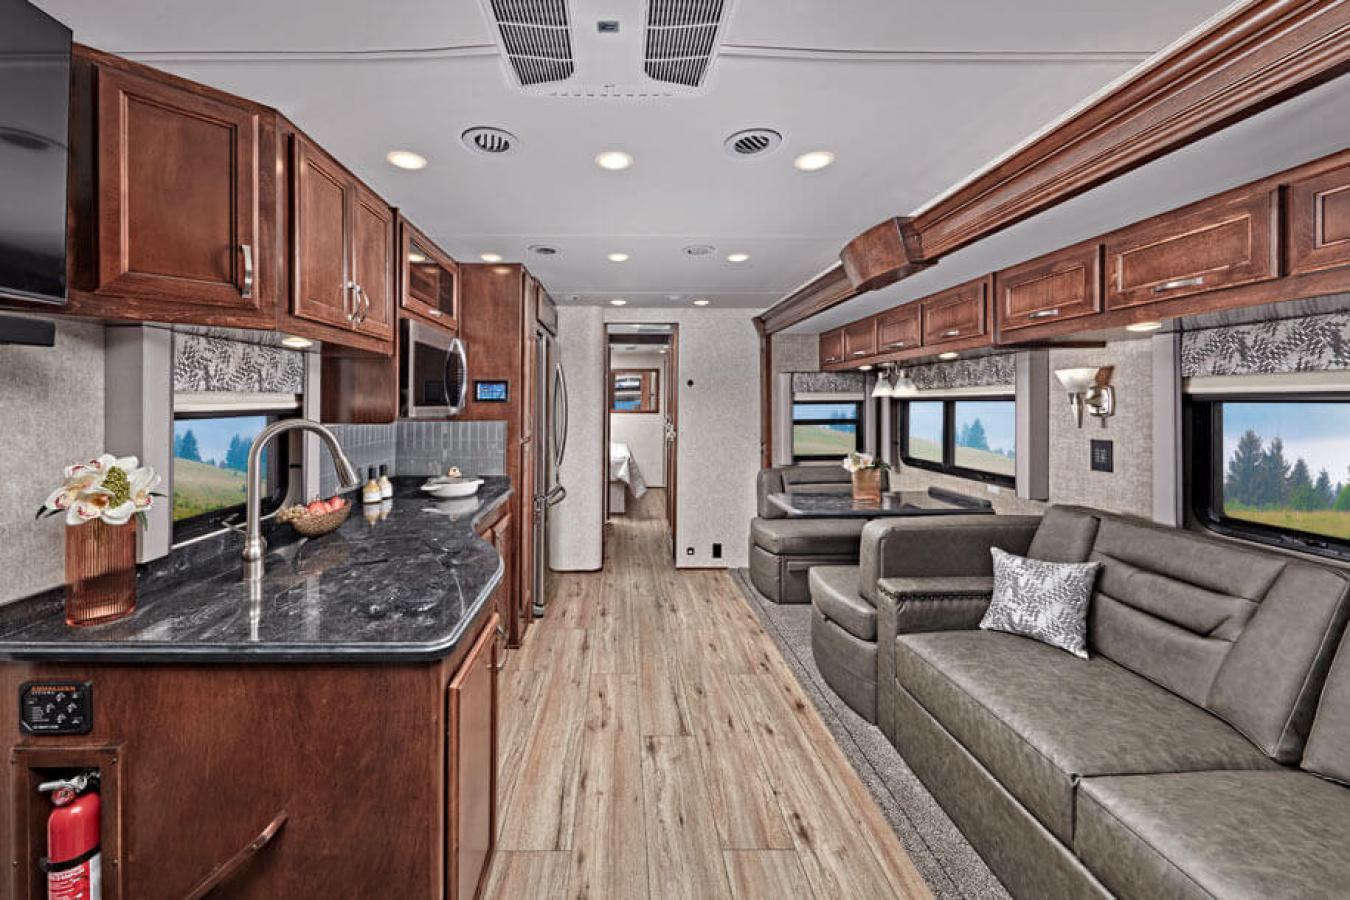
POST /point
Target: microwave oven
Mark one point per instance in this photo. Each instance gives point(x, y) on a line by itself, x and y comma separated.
point(433, 372)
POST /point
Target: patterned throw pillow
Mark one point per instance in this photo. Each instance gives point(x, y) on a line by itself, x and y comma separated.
point(1047, 601)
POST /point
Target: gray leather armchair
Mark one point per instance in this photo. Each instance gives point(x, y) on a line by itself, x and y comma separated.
point(782, 550)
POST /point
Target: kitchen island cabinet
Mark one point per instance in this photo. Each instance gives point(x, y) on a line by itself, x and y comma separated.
point(332, 733)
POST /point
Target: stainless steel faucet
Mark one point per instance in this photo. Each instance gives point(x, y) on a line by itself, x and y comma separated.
point(255, 548)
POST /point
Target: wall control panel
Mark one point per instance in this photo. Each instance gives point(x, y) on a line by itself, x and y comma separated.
point(1103, 456)
point(56, 707)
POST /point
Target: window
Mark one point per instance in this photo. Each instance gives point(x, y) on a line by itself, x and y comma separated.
point(1274, 469)
point(975, 438)
point(210, 462)
point(635, 391)
point(825, 430)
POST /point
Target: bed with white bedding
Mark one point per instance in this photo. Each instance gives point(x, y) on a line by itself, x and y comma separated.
point(624, 477)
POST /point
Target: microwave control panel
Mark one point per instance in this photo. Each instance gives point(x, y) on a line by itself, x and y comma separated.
point(56, 707)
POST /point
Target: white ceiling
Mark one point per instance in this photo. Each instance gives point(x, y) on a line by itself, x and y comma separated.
point(911, 95)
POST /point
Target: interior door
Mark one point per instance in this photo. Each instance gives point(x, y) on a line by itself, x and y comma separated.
point(673, 437)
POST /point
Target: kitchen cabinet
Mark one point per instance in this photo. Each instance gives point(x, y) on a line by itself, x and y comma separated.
point(472, 759)
point(899, 329)
point(500, 533)
point(832, 348)
point(181, 220)
point(1319, 222)
point(1228, 241)
point(1066, 284)
point(429, 278)
point(956, 314)
point(860, 340)
point(342, 250)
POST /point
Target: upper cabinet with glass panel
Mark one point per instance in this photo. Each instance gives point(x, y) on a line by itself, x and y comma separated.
point(430, 286)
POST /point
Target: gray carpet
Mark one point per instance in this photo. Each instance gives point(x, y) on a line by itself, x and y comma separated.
point(944, 858)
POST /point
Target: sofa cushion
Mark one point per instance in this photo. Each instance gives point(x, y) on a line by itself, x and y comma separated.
point(795, 477)
point(1216, 834)
point(807, 535)
point(1245, 634)
point(1065, 534)
point(1040, 719)
point(834, 591)
point(1328, 752)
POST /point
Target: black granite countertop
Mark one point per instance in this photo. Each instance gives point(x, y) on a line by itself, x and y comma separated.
point(403, 589)
point(841, 505)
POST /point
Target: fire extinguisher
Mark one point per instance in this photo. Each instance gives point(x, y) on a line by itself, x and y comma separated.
point(72, 862)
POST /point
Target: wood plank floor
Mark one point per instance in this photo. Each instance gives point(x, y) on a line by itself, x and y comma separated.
point(655, 745)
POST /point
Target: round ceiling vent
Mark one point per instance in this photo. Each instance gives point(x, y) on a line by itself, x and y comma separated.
point(753, 142)
point(492, 141)
point(543, 250)
point(700, 250)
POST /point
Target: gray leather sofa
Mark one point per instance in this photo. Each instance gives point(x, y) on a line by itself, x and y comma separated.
point(1188, 757)
point(782, 550)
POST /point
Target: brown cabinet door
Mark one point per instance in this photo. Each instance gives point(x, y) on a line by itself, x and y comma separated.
point(472, 782)
point(1319, 222)
point(429, 278)
point(898, 329)
point(955, 314)
point(321, 210)
point(178, 198)
point(372, 254)
point(831, 348)
point(1215, 245)
point(1062, 285)
point(860, 340)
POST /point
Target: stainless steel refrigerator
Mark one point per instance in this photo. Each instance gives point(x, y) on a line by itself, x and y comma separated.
point(550, 416)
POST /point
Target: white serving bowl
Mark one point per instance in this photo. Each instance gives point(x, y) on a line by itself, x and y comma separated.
point(449, 490)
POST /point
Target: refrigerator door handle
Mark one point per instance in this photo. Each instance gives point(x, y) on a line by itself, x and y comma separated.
point(560, 403)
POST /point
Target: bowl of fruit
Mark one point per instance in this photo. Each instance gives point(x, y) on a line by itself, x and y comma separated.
point(318, 517)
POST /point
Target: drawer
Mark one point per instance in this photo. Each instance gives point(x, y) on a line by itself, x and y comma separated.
point(899, 329)
point(1319, 222)
point(1203, 248)
point(956, 314)
point(1066, 284)
point(831, 348)
point(860, 340)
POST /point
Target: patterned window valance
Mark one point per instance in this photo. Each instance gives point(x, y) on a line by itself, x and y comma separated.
point(828, 382)
point(1309, 344)
point(204, 363)
point(980, 371)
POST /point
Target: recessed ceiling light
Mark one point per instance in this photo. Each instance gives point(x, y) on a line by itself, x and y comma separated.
point(614, 160)
point(406, 159)
point(295, 342)
point(738, 257)
point(415, 257)
point(701, 302)
point(1144, 326)
point(490, 257)
point(950, 354)
point(618, 301)
point(618, 257)
point(814, 161)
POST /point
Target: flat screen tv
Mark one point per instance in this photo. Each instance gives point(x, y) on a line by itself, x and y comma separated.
point(34, 134)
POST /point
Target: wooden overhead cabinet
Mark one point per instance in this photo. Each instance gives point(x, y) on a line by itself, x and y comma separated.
point(1066, 284)
point(1226, 242)
point(1319, 222)
point(899, 329)
point(342, 248)
point(832, 348)
point(860, 340)
point(430, 278)
point(180, 230)
point(956, 315)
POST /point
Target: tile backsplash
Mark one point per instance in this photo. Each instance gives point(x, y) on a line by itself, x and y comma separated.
point(420, 448)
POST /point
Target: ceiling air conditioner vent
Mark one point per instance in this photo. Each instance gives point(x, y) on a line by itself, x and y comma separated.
point(485, 139)
point(681, 39)
point(537, 38)
point(700, 250)
point(753, 142)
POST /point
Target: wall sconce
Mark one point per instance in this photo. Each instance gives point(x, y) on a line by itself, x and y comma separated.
point(892, 382)
point(1090, 389)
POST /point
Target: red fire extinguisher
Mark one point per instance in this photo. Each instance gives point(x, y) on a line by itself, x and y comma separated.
point(72, 862)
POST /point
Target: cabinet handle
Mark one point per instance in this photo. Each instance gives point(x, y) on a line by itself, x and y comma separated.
point(951, 332)
point(896, 345)
point(501, 656)
point(859, 352)
point(435, 312)
point(1178, 283)
point(352, 288)
point(830, 359)
point(1043, 314)
point(246, 292)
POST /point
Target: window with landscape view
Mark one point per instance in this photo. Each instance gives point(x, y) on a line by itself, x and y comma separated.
point(975, 438)
point(825, 430)
point(210, 465)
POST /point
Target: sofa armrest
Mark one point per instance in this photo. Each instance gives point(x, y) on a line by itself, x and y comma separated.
point(768, 481)
point(937, 604)
point(938, 547)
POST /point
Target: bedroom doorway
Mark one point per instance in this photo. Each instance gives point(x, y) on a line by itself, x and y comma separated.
point(642, 421)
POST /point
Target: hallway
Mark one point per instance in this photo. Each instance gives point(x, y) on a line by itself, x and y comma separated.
point(654, 744)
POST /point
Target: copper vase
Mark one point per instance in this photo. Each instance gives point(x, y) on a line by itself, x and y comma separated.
point(100, 572)
point(867, 485)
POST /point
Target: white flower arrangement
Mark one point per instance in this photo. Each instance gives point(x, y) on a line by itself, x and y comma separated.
point(856, 462)
point(107, 488)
